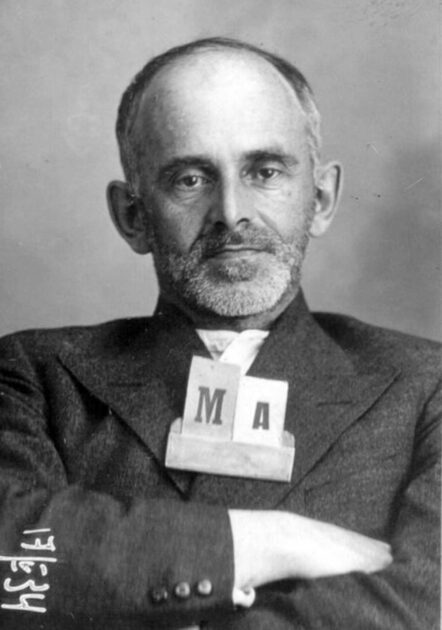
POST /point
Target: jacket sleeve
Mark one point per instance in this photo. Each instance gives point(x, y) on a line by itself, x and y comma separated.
point(405, 596)
point(99, 560)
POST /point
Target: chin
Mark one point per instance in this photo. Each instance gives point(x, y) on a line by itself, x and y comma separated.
point(238, 297)
point(239, 272)
point(230, 288)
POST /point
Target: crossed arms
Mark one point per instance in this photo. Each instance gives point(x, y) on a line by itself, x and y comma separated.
point(113, 550)
point(270, 546)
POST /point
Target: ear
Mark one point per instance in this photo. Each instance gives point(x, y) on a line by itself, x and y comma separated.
point(129, 217)
point(328, 191)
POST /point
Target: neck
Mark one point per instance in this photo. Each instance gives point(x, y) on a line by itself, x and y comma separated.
point(212, 321)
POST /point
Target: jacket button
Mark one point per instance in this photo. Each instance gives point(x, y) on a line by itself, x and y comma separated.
point(159, 595)
point(182, 590)
point(204, 588)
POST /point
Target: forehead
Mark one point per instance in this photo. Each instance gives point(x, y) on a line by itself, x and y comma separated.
point(216, 99)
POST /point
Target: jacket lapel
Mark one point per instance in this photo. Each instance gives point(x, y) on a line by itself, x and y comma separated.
point(327, 393)
point(143, 379)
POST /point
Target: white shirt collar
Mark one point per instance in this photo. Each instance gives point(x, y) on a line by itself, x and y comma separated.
point(229, 346)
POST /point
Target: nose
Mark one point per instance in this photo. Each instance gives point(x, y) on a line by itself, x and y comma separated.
point(230, 205)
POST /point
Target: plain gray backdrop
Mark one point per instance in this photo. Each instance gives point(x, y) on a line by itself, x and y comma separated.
point(375, 68)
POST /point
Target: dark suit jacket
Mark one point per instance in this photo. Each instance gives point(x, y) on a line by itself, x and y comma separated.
point(84, 420)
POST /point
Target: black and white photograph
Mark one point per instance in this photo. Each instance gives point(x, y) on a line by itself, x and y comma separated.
point(220, 314)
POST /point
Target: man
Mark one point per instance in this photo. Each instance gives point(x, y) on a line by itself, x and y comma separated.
point(220, 147)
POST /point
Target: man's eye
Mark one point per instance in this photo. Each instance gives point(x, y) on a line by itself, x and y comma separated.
point(267, 173)
point(190, 182)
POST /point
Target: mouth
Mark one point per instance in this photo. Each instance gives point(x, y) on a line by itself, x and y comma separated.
point(235, 251)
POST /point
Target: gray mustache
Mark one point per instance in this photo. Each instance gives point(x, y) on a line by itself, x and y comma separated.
point(253, 238)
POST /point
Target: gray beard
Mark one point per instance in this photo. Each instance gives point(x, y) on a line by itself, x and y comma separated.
point(233, 288)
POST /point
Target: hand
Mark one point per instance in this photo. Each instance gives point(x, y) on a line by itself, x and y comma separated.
point(272, 545)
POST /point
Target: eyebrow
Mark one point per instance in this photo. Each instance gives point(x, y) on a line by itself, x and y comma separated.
point(271, 154)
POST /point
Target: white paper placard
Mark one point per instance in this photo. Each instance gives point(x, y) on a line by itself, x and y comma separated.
point(260, 411)
point(211, 399)
point(232, 425)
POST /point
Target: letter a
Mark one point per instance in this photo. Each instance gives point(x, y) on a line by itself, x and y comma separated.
point(216, 402)
point(261, 419)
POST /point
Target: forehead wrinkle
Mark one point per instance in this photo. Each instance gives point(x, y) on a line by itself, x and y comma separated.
point(184, 76)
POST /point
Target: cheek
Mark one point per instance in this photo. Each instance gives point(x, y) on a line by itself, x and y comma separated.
point(175, 226)
point(285, 211)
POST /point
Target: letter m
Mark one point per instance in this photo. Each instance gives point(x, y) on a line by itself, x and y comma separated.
point(212, 405)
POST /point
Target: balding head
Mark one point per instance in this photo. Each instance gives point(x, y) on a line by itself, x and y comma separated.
point(220, 93)
point(174, 61)
point(217, 148)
